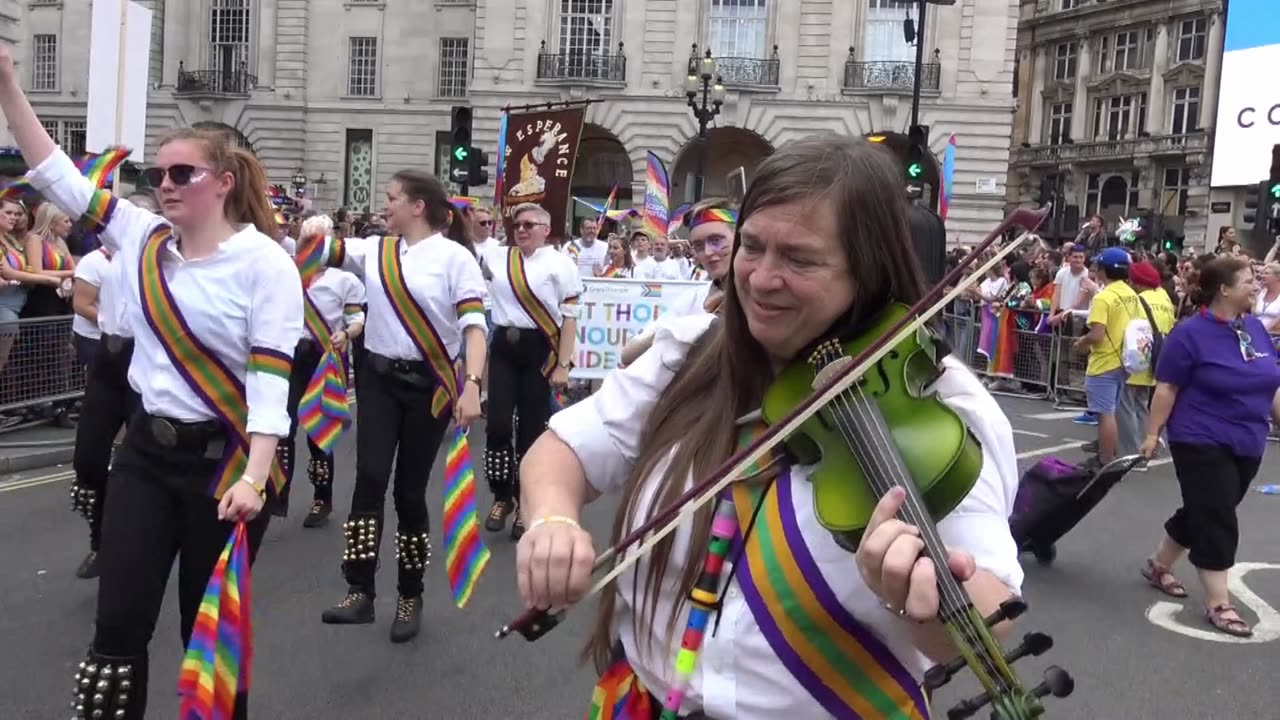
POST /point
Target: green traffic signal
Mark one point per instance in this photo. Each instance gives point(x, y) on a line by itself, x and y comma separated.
point(460, 153)
point(1275, 190)
point(915, 171)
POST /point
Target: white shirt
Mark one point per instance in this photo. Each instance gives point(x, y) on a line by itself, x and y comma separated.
point(1069, 288)
point(480, 247)
point(339, 297)
point(439, 274)
point(552, 275)
point(91, 269)
point(1267, 312)
point(643, 268)
point(738, 675)
point(588, 256)
point(246, 295)
point(290, 246)
point(668, 269)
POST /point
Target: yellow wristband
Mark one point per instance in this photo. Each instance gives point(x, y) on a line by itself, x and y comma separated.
point(553, 519)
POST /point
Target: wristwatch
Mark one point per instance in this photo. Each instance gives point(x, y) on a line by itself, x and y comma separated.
point(472, 378)
point(567, 364)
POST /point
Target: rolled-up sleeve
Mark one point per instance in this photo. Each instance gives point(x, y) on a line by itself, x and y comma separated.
point(604, 430)
point(275, 324)
point(353, 300)
point(468, 290)
point(120, 224)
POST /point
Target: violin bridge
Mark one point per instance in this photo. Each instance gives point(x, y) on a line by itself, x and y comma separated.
point(829, 370)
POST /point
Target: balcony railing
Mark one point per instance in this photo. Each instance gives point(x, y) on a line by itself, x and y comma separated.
point(580, 66)
point(742, 71)
point(215, 82)
point(1069, 153)
point(891, 76)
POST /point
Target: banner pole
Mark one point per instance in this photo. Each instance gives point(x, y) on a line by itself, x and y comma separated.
point(120, 73)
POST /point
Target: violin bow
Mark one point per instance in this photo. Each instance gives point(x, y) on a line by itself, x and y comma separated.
point(534, 622)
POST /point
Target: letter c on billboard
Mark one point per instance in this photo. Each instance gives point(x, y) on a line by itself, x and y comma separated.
point(1273, 116)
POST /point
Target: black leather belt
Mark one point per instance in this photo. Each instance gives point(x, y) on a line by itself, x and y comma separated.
point(116, 344)
point(512, 334)
point(414, 373)
point(205, 437)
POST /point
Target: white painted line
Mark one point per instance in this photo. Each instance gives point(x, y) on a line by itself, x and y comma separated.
point(24, 483)
point(1164, 614)
point(1065, 415)
point(1046, 450)
point(1029, 433)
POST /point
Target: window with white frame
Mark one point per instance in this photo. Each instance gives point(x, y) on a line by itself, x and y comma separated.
point(453, 67)
point(1119, 117)
point(1071, 4)
point(229, 38)
point(362, 67)
point(1186, 110)
point(44, 48)
point(70, 134)
point(1064, 61)
point(739, 28)
point(586, 27)
point(882, 39)
point(1127, 55)
point(1059, 123)
point(1191, 39)
point(1176, 190)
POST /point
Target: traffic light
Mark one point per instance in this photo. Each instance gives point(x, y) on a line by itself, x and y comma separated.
point(1252, 196)
point(478, 167)
point(460, 148)
point(917, 138)
point(1272, 195)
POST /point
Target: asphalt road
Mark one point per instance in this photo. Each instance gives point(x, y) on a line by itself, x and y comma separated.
point(1092, 601)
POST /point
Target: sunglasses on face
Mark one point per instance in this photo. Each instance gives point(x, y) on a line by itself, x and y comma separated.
point(526, 226)
point(485, 223)
point(181, 174)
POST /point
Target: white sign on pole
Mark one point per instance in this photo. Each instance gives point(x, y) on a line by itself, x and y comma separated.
point(120, 45)
point(612, 312)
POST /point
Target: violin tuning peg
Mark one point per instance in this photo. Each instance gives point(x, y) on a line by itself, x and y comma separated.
point(966, 708)
point(1034, 643)
point(939, 675)
point(1009, 610)
point(1057, 682)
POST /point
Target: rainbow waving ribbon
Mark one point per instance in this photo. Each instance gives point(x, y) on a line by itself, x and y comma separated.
point(465, 555)
point(217, 664)
point(323, 411)
point(95, 166)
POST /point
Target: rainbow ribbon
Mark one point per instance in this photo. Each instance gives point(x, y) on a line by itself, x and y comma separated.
point(465, 555)
point(96, 167)
point(218, 659)
point(323, 411)
point(310, 258)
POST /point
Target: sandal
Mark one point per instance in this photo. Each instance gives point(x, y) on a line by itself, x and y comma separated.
point(1162, 579)
point(1231, 626)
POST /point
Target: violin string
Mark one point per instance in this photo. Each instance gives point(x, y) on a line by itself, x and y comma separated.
point(889, 458)
point(969, 633)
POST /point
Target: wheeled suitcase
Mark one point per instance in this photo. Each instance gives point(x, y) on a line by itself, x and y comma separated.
point(1054, 496)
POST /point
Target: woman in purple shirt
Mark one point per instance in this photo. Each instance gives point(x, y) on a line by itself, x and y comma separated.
point(1217, 379)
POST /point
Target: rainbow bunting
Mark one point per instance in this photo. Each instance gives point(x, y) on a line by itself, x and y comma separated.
point(657, 218)
point(465, 555)
point(217, 664)
point(323, 411)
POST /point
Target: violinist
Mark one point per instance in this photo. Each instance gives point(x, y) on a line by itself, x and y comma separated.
point(797, 626)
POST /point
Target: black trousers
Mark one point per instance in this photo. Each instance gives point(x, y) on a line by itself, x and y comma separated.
point(396, 428)
point(519, 405)
point(1213, 481)
point(320, 467)
point(159, 509)
point(109, 402)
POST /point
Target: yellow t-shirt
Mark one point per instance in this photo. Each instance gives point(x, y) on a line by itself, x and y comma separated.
point(1114, 307)
point(1165, 315)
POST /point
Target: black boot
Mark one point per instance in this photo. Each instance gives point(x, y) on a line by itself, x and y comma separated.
point(88, 503)
point(320, 472)
point(359, 565)
point(517, 525)
point(284, 456)
point(110, 688)
point(499, 472)
point(413, 555)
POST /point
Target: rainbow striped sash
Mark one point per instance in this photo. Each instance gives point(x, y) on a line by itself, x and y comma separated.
point(323, 411)
point(415, 322)
point(845, 667)
point(541, 316)
point(207, 376)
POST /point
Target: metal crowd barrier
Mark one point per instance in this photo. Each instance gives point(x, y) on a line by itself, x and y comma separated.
point(38, 363)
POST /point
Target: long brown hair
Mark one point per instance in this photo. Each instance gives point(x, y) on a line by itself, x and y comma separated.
point(247, 201)
point(728, 371)
point(439, 213)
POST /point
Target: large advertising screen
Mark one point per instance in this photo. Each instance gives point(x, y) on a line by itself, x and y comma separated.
point(1248, 122)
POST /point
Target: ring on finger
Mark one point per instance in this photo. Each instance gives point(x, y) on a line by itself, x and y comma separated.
point(900, 612)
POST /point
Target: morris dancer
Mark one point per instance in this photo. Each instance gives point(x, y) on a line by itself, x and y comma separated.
point(424, 293)
point(535, 294)
point(333, 316)
point(820, 247)
point(109, 400)
point(216, 309)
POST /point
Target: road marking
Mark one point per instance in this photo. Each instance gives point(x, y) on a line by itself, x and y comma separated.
point(1067, 415)
point(1164, 614)
point(23, 483)
point(1029, 433)
point(1052, 449)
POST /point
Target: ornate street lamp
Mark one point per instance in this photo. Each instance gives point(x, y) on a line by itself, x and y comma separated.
point(707, 84)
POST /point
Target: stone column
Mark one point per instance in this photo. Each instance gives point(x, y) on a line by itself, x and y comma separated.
point(1212, 73)
point(1040, 69)
point(1157, 114)
point(1079, 104)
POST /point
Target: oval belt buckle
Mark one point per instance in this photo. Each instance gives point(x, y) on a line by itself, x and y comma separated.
point(164, 432)
point(513, 335)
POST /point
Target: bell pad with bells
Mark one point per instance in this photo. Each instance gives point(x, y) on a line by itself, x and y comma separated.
point(320, 472)
point(103, 690)
point(413, 550)
point(362, 539)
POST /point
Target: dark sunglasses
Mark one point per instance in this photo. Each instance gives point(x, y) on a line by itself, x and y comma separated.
point(181, 174)
point(528, 225)
point(485, 223)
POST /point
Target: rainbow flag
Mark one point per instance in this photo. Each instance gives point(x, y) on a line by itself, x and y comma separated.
point(677, 217)
point(465, 555)
point(608, 203)
point(323, 411)
point(502, 163)
point(98, 167)
point(610, 214)
point(653, 290)
point(948, 177)
point(219, 656)
point(657, 186)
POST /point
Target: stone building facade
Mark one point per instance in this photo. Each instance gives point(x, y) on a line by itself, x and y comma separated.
point(346, 93)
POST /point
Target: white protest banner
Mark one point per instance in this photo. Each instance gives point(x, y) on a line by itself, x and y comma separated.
point(120, 45)
point(611, 312)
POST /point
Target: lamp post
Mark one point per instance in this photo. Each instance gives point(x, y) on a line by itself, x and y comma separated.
point(299, 182)
point(709, 86)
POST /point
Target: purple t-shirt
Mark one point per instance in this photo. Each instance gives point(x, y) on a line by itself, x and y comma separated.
point(1222, 398)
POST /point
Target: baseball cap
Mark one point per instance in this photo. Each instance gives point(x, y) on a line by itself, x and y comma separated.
point(1114, 258)
point(1144, 274)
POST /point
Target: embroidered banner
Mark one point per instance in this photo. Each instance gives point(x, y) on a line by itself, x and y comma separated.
point(206, 374)
point(613, 311)
point(417, 325)
point(541, 149)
